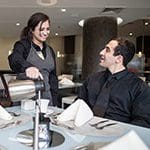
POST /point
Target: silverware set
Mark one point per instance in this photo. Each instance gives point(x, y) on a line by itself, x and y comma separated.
point(10, 124)
point(106, 125)
point(63, 125)
point(55, 122)
point(15, 114)
point(96, 125)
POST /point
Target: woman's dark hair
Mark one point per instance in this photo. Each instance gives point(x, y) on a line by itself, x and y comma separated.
point(126, 49)
point(32, 23)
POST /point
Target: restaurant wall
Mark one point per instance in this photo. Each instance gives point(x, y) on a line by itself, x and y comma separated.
point(79, 53)
point(6, 44)
point(57, 44)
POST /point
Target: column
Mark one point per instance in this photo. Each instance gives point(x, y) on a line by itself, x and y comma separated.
point(97, 32)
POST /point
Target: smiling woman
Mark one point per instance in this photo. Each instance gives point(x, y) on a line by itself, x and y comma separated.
point(33, 58)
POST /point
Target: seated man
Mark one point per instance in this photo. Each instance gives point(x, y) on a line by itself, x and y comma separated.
point(117, 93)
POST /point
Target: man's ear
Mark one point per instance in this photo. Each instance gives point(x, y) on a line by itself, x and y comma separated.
point(119, 59)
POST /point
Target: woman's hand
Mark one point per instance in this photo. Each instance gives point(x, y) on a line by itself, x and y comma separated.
point(33, 72)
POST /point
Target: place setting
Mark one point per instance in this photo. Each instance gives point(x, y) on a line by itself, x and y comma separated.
point(79, 119)
point(9, 119)
point(26, 137)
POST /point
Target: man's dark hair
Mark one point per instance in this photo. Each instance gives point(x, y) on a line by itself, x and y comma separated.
point(126, 49)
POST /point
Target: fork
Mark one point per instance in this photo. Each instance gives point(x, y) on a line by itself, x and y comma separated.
point(14, 114)
point(54, 114)
point(54, 122)
point(106, 125)
point(11, 123)
point(97, 123)
point(63, 125)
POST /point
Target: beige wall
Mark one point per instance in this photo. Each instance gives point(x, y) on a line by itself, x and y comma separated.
point(58, 45)
point(6, 44)
point(78, 51)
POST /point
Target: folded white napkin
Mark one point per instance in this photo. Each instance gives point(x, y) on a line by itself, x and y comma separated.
point(79, 112)
point(66, 81)
point(130, 141)
point(4, 114)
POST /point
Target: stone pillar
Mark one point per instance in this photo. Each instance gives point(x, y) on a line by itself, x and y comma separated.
point(97, 32)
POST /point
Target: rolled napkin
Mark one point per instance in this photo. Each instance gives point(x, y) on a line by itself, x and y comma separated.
point(4, 114)
point(79, 112)
point(66, 81)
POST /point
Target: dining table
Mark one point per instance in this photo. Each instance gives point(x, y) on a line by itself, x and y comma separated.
point(70, 139)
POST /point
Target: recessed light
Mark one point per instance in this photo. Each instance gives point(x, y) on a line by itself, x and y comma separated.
point(56, 33)
point(46, 2)
point(63, 10)
point(146, 23)
point(130, 33)
point(17, 24)
point(81, 23)
point(119, 20)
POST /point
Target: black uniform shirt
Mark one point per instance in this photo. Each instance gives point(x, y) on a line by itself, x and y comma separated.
point(18, 63)
point(129, 97)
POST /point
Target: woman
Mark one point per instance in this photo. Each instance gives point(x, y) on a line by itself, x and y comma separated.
point(32, 56)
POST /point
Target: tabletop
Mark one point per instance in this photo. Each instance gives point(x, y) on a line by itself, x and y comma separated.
point(8, 135)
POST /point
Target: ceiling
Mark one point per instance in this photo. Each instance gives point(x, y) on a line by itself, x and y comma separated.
point(66, 23)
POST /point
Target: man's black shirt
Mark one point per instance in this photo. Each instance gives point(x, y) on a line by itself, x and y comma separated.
point(129, 96)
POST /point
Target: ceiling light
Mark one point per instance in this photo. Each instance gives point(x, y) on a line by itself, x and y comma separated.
point(56, 33)
point(17, 24)
point(130, 33)
point(63, 10)
point(81, 23)
point(46, 2)
point(146, 23)
point(119, 21)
